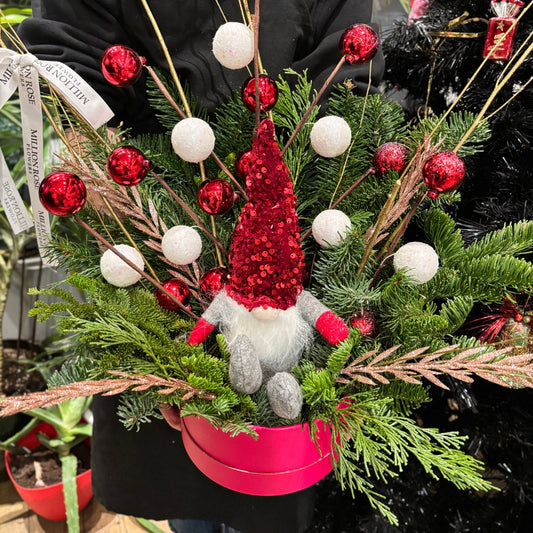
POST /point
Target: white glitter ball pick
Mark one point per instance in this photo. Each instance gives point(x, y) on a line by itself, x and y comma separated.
point(193, 139)
point(419, 260)
point(330, 136)
point(182, 245)
point(330, 227)
point(116, 271)
point(233, 45)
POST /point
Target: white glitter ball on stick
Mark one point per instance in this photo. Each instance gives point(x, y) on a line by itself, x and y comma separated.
point(182, 245)
point(233, 45)
point(330, 136)
point(193, 139)
point(419, 260)
point(116, 271)
point(330, 228)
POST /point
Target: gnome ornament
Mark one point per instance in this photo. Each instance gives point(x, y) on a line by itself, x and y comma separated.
point(263, 312)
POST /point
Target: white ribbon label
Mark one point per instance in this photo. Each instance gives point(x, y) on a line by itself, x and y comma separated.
point(10, 199)
point(23, 71)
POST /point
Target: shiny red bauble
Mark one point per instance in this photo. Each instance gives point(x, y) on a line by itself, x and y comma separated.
point(62, 193)
point(359, 43)
point(178, 289)
point(390, 156)
point(366, 323)
point(216, 196)
point(212, 281)
point(243, 164)
point(127, 165)
point(268, 93)
point(443, 172)
point(121, 66)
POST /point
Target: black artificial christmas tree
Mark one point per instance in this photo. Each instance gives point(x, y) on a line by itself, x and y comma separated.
point(429, 62)
point(432, 59)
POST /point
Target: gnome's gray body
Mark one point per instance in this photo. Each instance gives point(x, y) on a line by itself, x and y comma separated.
point(265, 350)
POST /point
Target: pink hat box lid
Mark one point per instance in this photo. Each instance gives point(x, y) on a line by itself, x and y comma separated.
point(281, 460)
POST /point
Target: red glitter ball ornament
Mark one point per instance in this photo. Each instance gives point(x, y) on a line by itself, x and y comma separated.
point(216, 196)
point(268, 93)
point(359, 43)
point(443, 172)
point(121, 66)
point(390, 156)
point(242, 164)
point(212, 281)
point(366, 323)
point(62, 193)
point(178, 289)
point(127, 165)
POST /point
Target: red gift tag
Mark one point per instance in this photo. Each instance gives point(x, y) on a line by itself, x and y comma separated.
point(499, 41)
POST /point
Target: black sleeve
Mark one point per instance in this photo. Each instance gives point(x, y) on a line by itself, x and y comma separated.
point(77, 33)
point(320, 50)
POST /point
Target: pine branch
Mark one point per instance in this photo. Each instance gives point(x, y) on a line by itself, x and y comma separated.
point(107, 387)
point(513, 371)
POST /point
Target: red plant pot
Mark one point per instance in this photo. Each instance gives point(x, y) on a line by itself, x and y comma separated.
point(48, 501)
point(281, 460)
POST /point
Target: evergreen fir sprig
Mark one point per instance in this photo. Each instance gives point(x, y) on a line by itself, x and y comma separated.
point(495, 366)
point(136, 409)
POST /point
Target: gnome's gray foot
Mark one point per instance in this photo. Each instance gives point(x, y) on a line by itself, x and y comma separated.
point(285, 395)
point(244, 368)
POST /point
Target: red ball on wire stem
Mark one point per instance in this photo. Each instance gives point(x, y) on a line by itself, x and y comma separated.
point(212, 281)
point(62, 193)
point(216, 196)
point(242, 164)
point(359, 43)
point(390, 156)
point(443, 172)
point(121, 66)
point(127, 165)
point(178, 289)
point(268, 93)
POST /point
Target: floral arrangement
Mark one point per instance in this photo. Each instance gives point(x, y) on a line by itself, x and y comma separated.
point(266, 223)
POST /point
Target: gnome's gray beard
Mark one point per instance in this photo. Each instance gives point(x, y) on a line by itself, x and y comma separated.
point(278, 343)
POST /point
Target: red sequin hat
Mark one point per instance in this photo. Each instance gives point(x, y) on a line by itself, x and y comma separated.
point(266, 258)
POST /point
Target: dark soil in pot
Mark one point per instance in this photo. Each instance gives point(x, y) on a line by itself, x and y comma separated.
point(16, 379)
point(42, 467)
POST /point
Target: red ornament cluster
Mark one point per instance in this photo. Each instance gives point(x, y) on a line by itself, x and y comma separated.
point(178, 289)
point(121, 66)
point(266, 257)
point(359, 43)
point(268, 93)
point(127, 165)
point(365, 322)
point(62, 193)
point(212, 281)
point(443, 172)
point(216, 196)
point(390, 156)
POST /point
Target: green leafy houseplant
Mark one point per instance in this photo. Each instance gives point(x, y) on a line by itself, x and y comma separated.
point(367, 388)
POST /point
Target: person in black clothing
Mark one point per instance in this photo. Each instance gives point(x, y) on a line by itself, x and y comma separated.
point(148, 473)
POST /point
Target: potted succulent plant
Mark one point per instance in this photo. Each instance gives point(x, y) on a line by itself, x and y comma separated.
point(60, 430)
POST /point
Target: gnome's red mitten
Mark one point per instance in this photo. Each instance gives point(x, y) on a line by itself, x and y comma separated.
point(200, 332)
point(331, 327)
point(327, 323)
